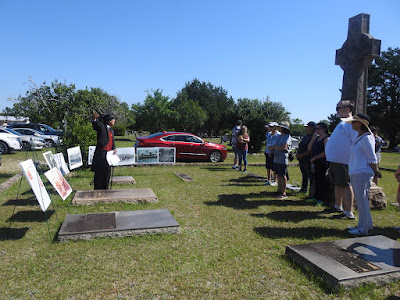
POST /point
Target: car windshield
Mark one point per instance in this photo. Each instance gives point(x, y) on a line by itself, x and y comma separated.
point(13, 131)
point(154, 135)
point(45, 128)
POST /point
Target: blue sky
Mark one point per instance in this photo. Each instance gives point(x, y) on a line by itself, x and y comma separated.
point(253, 49)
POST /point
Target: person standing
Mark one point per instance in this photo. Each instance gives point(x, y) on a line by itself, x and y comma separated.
point(319, 164)
point(242, 147)
point(337, 153)
point(304, 155)
point(378, 148)
point(105, 143)
point(363, 166)
point(235, 132)
point(270, 139)
point(397, 176)
point(281, 158)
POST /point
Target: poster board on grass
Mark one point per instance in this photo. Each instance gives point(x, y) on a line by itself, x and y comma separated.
point(59, 183)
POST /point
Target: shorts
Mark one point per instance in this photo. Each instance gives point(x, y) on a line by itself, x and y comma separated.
point(281, 170)
point(269, 161)
point(339, 174)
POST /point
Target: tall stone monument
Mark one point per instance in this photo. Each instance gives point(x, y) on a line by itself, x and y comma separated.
point(355, 56)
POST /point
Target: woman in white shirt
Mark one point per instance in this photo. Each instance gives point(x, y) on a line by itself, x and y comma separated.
point(363, 166)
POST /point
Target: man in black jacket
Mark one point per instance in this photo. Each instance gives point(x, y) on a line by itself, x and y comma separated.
point(303, 155)
point(105, 143)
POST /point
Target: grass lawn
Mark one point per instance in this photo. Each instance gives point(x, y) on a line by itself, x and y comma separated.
point(231, 246)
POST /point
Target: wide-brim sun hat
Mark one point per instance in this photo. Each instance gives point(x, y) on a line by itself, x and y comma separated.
point(285, 125)
point(356, 118)
point(271, 124)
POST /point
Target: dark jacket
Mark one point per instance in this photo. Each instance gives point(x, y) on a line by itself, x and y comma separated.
point(102, 134)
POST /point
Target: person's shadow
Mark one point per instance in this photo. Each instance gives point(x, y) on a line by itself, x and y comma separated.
point(389, 256)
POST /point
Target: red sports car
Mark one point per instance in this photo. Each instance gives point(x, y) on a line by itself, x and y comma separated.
point(188, 146)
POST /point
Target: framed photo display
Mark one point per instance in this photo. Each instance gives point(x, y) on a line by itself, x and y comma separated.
point(147, 155)
point(74, 157)
point(51, 162)
point(126, 156)
point(36, 183)
point(166, 155)
point(59, 183)
point(91, 154)
point(61, 165)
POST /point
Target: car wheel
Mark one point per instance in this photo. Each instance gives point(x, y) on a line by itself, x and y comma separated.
point(49, 143)
point(215, 156)
point(26, 146)
point(3, 148)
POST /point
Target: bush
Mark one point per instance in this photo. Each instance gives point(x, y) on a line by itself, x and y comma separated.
point(119, 130)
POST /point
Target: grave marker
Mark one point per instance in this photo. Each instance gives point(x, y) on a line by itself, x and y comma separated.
point(145, 195)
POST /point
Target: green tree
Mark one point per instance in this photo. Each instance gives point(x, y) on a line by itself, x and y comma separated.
point(154, 114)
point(256, 114)
point(187, 114)
point(297, 127)
point(384, 95)
point(333, 121)
point(213, 100)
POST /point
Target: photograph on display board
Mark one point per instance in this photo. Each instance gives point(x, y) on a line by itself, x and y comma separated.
point(59, 183)
point(166, 155)
point(61, 164)
point(74, 157)
point(91, 154)
point(36, 183)
point(147, 155)
point(51, 162)
point(126, 156)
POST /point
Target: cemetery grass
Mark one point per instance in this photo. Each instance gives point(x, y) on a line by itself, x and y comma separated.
point(231, 246)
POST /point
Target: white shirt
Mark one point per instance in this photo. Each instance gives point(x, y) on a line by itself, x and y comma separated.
point(337, 149)
point(362, 154)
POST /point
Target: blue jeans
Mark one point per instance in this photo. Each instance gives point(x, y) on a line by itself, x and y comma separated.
point(242, 156)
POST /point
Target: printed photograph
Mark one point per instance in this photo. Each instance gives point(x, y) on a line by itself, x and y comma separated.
point(166, 155)
point(51, 162)
point(147, 155)
point(59, 183)
point(74, 157)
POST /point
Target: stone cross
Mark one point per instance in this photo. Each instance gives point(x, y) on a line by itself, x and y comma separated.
point(355, 56)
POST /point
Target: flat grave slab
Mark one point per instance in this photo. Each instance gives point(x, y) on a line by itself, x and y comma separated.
point(117, 224)
point(109, 196)
point(123, 179)
point(184, 176)
point(351, 262)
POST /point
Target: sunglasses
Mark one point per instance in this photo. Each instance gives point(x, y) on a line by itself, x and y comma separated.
point(340, 107)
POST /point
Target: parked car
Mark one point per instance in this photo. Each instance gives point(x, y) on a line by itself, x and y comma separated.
point(28, 142)
point(188, 146)
point(50, 140)
point(42, 128)
point(9, 141)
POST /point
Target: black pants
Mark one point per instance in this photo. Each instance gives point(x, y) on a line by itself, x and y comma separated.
point(321, 182)
point(101, 169)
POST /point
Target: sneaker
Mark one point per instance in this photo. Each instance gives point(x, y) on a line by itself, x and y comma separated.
point(273, 184)
point(343, 216)
point(319, 203)
point(267, 183)
point(311, 200)
point(245, 171)
point(357, 232)
point(281, 197)
point(235, 167)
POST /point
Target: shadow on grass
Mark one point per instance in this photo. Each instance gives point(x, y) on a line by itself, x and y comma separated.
point(216, 169)
point(239, 201)
point(12, 233)
point(31, 216)
point(6, 175)
point(31, 201)
point(307, 233)
point(291, 216)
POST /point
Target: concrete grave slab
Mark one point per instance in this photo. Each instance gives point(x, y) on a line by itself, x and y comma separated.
point(123, 180)
point(351, 262)
point(117, 224)
point(184, 176)
point(145, 195)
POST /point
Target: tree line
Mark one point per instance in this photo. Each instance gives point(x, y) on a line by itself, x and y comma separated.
point(199, 107)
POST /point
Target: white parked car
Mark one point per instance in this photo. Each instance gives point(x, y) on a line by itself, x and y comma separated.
point(9, 141)
point(50, 140)
point(29, 142)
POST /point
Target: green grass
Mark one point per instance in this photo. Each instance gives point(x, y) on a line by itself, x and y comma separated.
point(231, 246)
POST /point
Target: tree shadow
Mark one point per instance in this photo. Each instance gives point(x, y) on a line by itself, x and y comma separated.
point(291, 216)
point(307, 233)
point(12, 233)
point(31, 216)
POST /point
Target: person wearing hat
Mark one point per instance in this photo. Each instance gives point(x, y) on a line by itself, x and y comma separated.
point(363, 166)
point(303, 155)
point(281, 157)
point(105, 143)
point(270, 139)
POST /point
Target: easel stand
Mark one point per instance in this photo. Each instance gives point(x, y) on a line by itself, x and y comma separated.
point(34, 159)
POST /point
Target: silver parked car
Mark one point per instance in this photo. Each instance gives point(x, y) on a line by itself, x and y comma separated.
point(50, 140)
point(29, 142)
point(9, 141)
